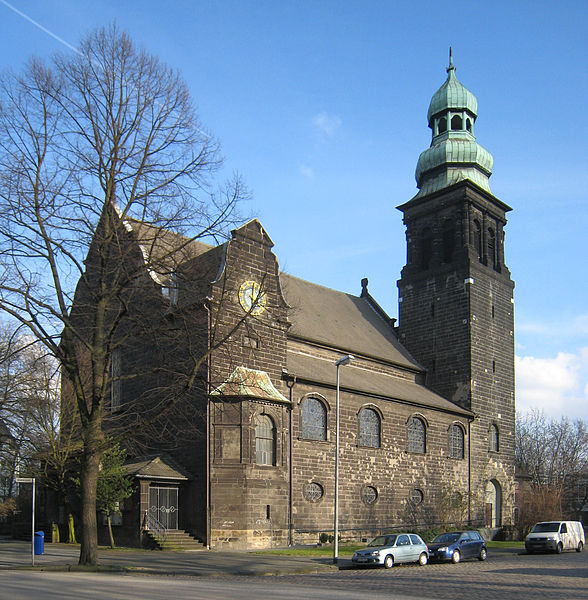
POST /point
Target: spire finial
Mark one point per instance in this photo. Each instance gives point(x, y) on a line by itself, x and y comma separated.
point(450, 67)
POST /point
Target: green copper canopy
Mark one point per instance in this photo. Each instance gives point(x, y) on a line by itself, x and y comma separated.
point(452, 94)
point(454, 154)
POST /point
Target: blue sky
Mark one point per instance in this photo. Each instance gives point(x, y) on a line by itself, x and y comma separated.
point(321, 106)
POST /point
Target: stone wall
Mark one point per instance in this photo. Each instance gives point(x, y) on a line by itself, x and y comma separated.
point(249, 502)
point(391, 470)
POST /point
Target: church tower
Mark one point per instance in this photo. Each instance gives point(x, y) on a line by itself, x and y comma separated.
point(456, 294)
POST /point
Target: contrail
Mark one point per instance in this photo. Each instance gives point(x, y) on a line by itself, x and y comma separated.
point(60, 40)
point(24, 16)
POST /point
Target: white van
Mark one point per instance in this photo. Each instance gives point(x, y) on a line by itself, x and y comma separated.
point(556, 536)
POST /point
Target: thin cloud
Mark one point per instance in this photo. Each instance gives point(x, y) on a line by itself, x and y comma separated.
point(307, 171)
point(327, 124)
point(572, 328)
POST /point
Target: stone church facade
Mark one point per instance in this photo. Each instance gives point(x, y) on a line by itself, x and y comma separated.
point(426, 405)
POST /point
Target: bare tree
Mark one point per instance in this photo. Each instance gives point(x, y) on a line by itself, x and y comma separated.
point(553, 454)
point(451, 507)
point(21, 388)
point(31, 411)
point(101, 156)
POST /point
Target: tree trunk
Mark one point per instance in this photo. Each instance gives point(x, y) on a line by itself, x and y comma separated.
point(89, 478)
point(109, 520)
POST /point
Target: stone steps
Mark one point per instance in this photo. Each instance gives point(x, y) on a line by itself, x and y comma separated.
point(176, 539)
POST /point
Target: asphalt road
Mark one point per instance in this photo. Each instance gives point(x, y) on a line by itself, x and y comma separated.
point(505, 576)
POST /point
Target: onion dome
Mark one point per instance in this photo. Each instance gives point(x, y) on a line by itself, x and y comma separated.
point(454, 154)
point(452, 94)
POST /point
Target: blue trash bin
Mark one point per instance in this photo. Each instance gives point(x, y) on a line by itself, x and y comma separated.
point(39, 546)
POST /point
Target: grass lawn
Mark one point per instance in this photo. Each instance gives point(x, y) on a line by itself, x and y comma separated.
point(493, 544)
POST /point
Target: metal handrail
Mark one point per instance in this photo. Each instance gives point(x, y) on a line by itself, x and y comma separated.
point(155, 526)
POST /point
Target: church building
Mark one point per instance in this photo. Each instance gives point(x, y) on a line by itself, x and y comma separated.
point(426, 403)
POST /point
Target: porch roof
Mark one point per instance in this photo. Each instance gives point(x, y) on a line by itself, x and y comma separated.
point(250, 383)
point(158, 466)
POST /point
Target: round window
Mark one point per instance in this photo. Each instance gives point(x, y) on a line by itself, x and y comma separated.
point(369, 494)
point(416, 496)
point(313, 492)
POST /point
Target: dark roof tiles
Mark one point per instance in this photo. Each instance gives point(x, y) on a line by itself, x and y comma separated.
point(342, 321)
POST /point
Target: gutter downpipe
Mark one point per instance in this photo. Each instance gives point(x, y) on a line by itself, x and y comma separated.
point(291, 466)
point(208, 469)
point(470, 470)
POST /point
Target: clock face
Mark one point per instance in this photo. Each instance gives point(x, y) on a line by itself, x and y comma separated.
point(251, 298)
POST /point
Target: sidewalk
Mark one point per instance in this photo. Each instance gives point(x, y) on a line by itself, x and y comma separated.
point(17, 555)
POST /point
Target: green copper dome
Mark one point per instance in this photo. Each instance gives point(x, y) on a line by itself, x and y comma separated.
point(454, 154)
point(452, 94)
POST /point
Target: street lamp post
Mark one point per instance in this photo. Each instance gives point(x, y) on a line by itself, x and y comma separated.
point(31, 480)
point(345, 360)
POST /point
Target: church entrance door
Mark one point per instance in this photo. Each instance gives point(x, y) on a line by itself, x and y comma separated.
point(493, 503)
point(163, 506)
point(488, 520)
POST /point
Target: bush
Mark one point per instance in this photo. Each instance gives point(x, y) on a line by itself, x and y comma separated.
point(8, 507)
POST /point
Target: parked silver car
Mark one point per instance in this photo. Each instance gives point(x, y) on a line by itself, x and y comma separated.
point(393, 548)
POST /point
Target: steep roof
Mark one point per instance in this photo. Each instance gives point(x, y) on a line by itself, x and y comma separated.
point(163, 250)
point(343, 321)
point(355, 377)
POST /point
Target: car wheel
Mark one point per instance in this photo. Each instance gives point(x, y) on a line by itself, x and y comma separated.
point(580, 547)
point(423, 560)
point(483, 554)
point(559, 548)
point(389, 561)
point(456, 557)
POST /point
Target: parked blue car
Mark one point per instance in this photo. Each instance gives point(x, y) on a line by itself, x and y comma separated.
point(457, 545)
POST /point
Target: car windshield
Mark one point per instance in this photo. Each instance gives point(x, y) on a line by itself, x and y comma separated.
point(546, 527)
point(383, 540)
point(446, 538)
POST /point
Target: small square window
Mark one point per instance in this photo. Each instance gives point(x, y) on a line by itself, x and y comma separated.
point(250, 342)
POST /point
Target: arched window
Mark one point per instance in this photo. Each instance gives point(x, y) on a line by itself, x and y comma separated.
point(493, 439)
point(369, 428)
point(265, 441)
point(313, 418)
point(456, 123)
point(426, 248)
point(469, 125)
point(448, 241)
point(170, 291)
point(478, 239)
point(115, 379)
point(417, 437)
point(442, 125)
point(456, 442)
point(492, 257)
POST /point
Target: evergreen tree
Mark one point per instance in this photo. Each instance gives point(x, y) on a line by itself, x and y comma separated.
point(114, 485)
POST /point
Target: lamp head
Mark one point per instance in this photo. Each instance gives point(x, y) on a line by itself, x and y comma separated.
point(345, 360)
